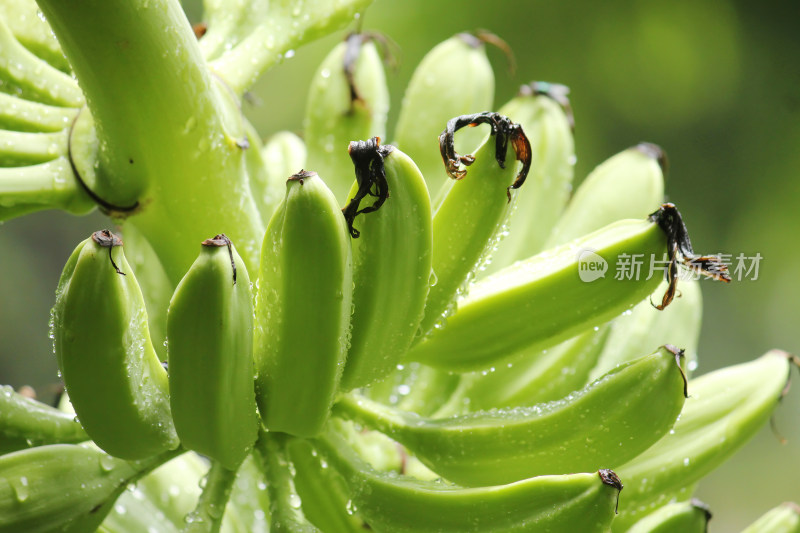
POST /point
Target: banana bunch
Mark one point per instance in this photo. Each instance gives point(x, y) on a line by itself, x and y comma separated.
point(438, 335)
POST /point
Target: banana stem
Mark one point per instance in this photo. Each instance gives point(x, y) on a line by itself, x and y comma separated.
point(207, 516)
point(32, 76)
point(49, 185)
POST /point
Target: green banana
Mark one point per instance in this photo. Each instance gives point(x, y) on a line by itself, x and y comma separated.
point(321, 490)
point(283, 154)
point(454, 78)
point(391, 266)
point(628, 185)
point(33, 32)
point(474, 209)
point(725, 409)
point(63, 487)
point(210, 330)
point(348, 99)
point(686, 517)
point(538, 377)
point(115, 381)
point(23, 115)
point(415, 387)
point(392, 504)
point(133, 513)
point(24, 423)
point(643, 328)
point(782, 519)
point(173, 488)
point(544, 112)
point(506, 313)
point(303, 307)
point(589, 427)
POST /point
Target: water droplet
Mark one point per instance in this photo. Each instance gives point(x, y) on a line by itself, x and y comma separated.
point(107, 462)
point(294, 501)
point(20, 487)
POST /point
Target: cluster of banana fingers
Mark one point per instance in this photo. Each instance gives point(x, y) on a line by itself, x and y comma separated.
point(396, 364)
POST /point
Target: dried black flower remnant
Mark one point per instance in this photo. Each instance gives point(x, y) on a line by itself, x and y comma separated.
point(109, 240)
point(367, 157)
point(220, 241)
point(503, 131)
point(679, 247)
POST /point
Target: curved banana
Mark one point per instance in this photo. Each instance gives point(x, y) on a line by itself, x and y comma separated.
point(115, 381)
point(454, 78)
point(24, 423)
point(544, 112)
point(725, 409)
point(686, 517)
point(628, 185)
point(392, 504)
point(391, 268)
point(303, 307)
point(555, 295)
point(782, 519)
point(610, 421)
point(477, 202)
point(642, 328)
point(538, 377)
point(348, 99)
point(63, 487)
point(210, 329)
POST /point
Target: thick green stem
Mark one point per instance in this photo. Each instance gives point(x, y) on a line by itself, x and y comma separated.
point(207, 516)
point(170, 136)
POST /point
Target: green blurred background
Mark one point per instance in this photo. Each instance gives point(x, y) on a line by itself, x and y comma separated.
point(715, 83)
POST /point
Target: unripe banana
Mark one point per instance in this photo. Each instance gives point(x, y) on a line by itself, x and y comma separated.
point(610, 421)
point(683, 517)
point(391, 268)
point(475, 207)
point(23, 115)
point(538, 377)
point(392, 504)
point(643, 328)
point(24, 423)
point(134, 513)
point(539, 302)
point(303, 308)
point(283, 154)
point(454, 78)
point(348, 99)
point(115, 381)
point(323, 493)
point(544, 112)
point(725, 409)
point(63, 487)
point(210, 330)
point(782, 519)
point(628, 185)
point(33, 31)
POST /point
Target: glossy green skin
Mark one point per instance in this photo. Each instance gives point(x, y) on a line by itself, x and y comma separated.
point(608, 422)
point(683, 517)
point(210, 331)
point(628, 185)
point(465, 227)
point(303, 309)
point(391, 272)
point(724, 410)
point(283, 154)
point(782, 519)
point(116, 383)
point(540, 302)
point(62, 487)
point(332, 121)
point(547, 188)
point(453, 79)
point(24, 422)
point(397, 504)
point(539, 376)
